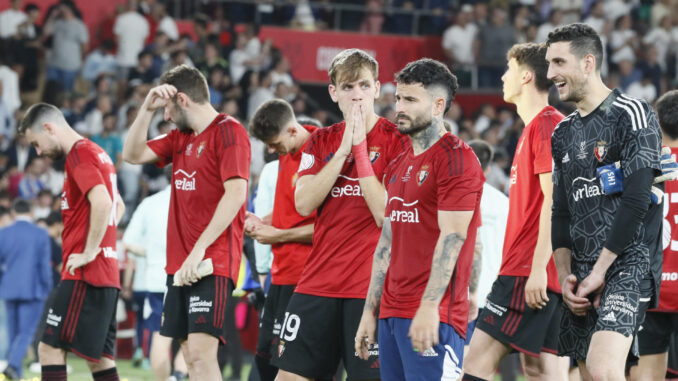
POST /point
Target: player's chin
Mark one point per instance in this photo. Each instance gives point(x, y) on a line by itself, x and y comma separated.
point(404, 125)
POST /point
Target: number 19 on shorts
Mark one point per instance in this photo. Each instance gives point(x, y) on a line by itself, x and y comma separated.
point(290, 327)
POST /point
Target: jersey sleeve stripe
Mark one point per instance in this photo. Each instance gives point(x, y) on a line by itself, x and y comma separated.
point(639, 105)
point(448, 149)
point(632, 115)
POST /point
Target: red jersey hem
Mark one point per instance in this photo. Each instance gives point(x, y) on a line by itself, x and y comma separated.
point(338, 295)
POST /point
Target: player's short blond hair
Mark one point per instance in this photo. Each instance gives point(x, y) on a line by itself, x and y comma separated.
point(345, 66)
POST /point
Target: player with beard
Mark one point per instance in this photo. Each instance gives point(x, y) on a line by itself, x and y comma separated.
point(607, 245)
point(422, 263)
point(210, 153)
point(523, 310)
point(81, 316)
point(340, 176)
point(654, 339)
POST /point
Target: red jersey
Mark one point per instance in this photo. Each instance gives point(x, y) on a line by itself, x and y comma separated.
point(532, 158)
point(447, 177)
point(668, 291)
point(345, 234)
point(289, 257)
point(87, 165)
point(201, 165)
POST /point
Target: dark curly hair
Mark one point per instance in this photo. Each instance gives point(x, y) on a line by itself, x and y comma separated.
point(430, 73)
point(667, 113)
point(533, 56)
point(582, 38)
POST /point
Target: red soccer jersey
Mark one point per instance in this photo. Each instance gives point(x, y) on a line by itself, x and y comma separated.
point(87, 165)
point(533, 157)
point(201, 165)
point(445, 177)
point(345, 234)
point(289, 258)
point(668, 291)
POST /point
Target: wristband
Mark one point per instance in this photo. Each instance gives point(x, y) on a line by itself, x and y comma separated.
point(362, 162)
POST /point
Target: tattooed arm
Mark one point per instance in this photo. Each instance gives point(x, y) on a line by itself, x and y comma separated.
point(453, 228)
point(475, 279)
point(368, 323)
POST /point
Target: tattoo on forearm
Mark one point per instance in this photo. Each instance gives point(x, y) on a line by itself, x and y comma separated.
point(444, 260)
point(382, 258)
point(475, 267)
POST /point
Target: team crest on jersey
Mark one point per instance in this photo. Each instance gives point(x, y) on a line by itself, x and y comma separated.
point(281, 348)
point(201, 148)
point(601, 150)
point(374, 154)
point(189, 149)
point(422, 175)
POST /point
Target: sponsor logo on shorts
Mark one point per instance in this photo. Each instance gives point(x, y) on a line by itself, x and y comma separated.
point(53, 319)
point(372, 350)
point(489, 319)
point(617, 303)
point(201, 320)
point(375, 364)
point(197, 305)
point(430, 353)
point(495, 308)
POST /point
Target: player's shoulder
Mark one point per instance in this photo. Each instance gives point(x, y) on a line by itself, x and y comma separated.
point(85, 149)
point(454, 154)
point(630, 112)
point(230, 131)
point(563, 126)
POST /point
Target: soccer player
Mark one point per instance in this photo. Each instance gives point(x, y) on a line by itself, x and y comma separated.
point(289, 233)
point(605, 244)
point(522, 311)
point(81, 317)
point(210, 153)
point(662, 322)
point(422, 263)
point(340, 176)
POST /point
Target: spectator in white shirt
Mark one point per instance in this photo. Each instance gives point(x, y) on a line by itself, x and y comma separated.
point(94, 121)
point(99, 61)
point(166, 23)
point(10, 88)
point(660, 37)
point(555, 21)
point(131, 30)
point(623, 40)
point(11, 19)
point(458, 39)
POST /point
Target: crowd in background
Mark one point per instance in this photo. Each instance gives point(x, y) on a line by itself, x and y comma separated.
point(100, 81)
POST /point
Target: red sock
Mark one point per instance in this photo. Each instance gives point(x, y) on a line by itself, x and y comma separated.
point(106, 375)
point(53, 373)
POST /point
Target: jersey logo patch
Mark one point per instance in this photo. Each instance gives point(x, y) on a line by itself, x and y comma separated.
point(307, 161)
point(610, 317)
point(406, 178)
point(582, 151)
point(422, 175)
point(566, 158)
point(374, 155)
point(189, 149)
point(601, 150)
point(281, 348)
point(201, 148)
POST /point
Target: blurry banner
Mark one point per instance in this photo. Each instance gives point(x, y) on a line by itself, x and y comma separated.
point(310, 53)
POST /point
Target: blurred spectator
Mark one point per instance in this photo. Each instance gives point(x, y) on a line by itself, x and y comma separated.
point(659, 10)
point(651, 68)
point(94, 121)
point(281, 71)
point(261, 92)
point(386, 98)
point(303, 16)
point(596, 18)
point(20, 153)
point(402, 22)
point(660, 38)
point(100, 61)
point(143, 72)
point(643, 89)
point(214, 81)
point(623, 41)
point(238, 58)
point(374, 17)
point(492, 43)
point(53, 177)
point(614, 9)
point(212, 59)
point(74, 113)
point(555, 20)
point(110, 141)
point(7, 124)
point(570, 9)
point(69, 44)
point(43, 205)
point(486, 113)
point(458, 44)
point(131, 30)
point(25, 255)
point(30, 184)
point(165, 23)
point(30, 48)
point(10, 20)
point(10, 87)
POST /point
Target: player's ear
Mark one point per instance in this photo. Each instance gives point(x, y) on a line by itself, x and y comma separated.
point(50, 128)
point(589, 63)
point(439, 106)
point(182, 100)
point(527, 76)
point(333, 93)
point(377, 87)
point(292, 129)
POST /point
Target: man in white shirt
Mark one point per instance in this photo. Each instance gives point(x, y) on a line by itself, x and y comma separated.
point(11, 19)
point(10, 88)
point(131, 30)
point(458, 43)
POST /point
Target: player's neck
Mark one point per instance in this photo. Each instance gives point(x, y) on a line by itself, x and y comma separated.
point(203, 116)
point(302, 137)
point(371, 121)
point(595, 95)
point(426, 138)
point(530, 104)
point(70, 137)
point(667, 141)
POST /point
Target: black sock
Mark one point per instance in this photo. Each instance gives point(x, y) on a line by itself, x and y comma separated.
point(53, 373)
point(468, 377)
point(110, 374)
point(267, 372)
